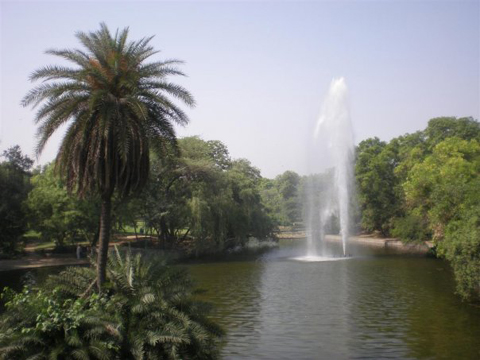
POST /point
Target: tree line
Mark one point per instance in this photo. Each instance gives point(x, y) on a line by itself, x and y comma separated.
point(426, 186)
point(416, 187)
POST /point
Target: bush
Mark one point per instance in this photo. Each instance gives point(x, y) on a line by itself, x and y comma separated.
point(461, 247)
point(411, 228)
point(147, 311)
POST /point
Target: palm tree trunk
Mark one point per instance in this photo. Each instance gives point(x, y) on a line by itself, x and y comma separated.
point(105, 227)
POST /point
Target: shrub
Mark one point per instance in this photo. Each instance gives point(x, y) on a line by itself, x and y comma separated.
point(147, 310)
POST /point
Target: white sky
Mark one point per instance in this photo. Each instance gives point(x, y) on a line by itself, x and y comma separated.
point(260, 70)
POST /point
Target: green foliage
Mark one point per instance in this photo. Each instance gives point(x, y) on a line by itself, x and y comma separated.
point(282, 198)
point(58, 215)
point(147, 311)
point(16, 160)
point(376, 183)
point(14, 188)
point(426, 186)
point(444, 190)
point(383, 170)
point(218, 152)
point(411, 228)
point(288, 184)
point(461, 247)
point(438, 187)
point(43, 324)
point(442, 128)
point(248, 217)
point(205, 195)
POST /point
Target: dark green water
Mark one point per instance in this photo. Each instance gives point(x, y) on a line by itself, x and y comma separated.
point(371, 306)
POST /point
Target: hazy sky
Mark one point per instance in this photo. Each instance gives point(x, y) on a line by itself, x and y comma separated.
point(260, 70)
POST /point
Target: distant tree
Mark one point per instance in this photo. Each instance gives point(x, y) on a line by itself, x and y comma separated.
point(58, 215)
point(219, 154)
point(272, 201)
point(249, 217)
point(441, 128)
point(281, 197)
point(204, 196)
point(117, 111)
point(14, 188)
point(376, 181)
point(288, 184)
point(15, 159)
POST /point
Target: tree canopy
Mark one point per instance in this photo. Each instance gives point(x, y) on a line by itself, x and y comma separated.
point(424, 186)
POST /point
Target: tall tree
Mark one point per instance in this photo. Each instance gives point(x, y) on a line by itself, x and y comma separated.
point(374, 171)
point(117, 108)
point(14, 188)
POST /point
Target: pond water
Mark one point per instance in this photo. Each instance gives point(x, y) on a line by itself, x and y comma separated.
point(374, 305)
point(371, 306)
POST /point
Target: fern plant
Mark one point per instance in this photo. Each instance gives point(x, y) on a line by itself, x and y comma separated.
point(146, 310)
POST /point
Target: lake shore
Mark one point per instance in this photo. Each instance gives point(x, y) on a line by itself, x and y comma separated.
point(32, 261)
point(420, 248)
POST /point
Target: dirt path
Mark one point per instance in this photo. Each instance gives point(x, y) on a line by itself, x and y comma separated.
point(30, 262)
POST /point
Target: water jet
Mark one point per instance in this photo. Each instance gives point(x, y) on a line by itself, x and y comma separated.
point(334, 129)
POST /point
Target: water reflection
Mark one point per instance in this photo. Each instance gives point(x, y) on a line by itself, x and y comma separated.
point(299, 318)
point(371, 306)
point(405, 308)
point(233, 288)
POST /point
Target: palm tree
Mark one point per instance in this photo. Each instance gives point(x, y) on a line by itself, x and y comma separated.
point(117, 108)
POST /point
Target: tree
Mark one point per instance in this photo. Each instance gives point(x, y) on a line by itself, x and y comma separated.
point(439, 187)
point(461, 246)
point(374, 171)
point(58, 215)
point(17, 160)
point(204, 200)
point(442, 191)
point(382, 170)
point(117, 109)
point(281, 197)
point(441, 128)
point(248, 216)
point(288, 183)
point(219, 153)
point(14, 188)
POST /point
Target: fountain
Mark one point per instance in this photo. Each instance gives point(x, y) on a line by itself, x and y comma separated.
point(331, 199)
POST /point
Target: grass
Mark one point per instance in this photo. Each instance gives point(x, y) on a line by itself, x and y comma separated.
point(34, 240)
point(130, 230)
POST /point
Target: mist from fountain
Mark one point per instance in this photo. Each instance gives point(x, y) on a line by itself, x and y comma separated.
point(331, 199)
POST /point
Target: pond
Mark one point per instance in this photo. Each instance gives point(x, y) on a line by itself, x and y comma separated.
point(374, 305)
point(370, 306)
